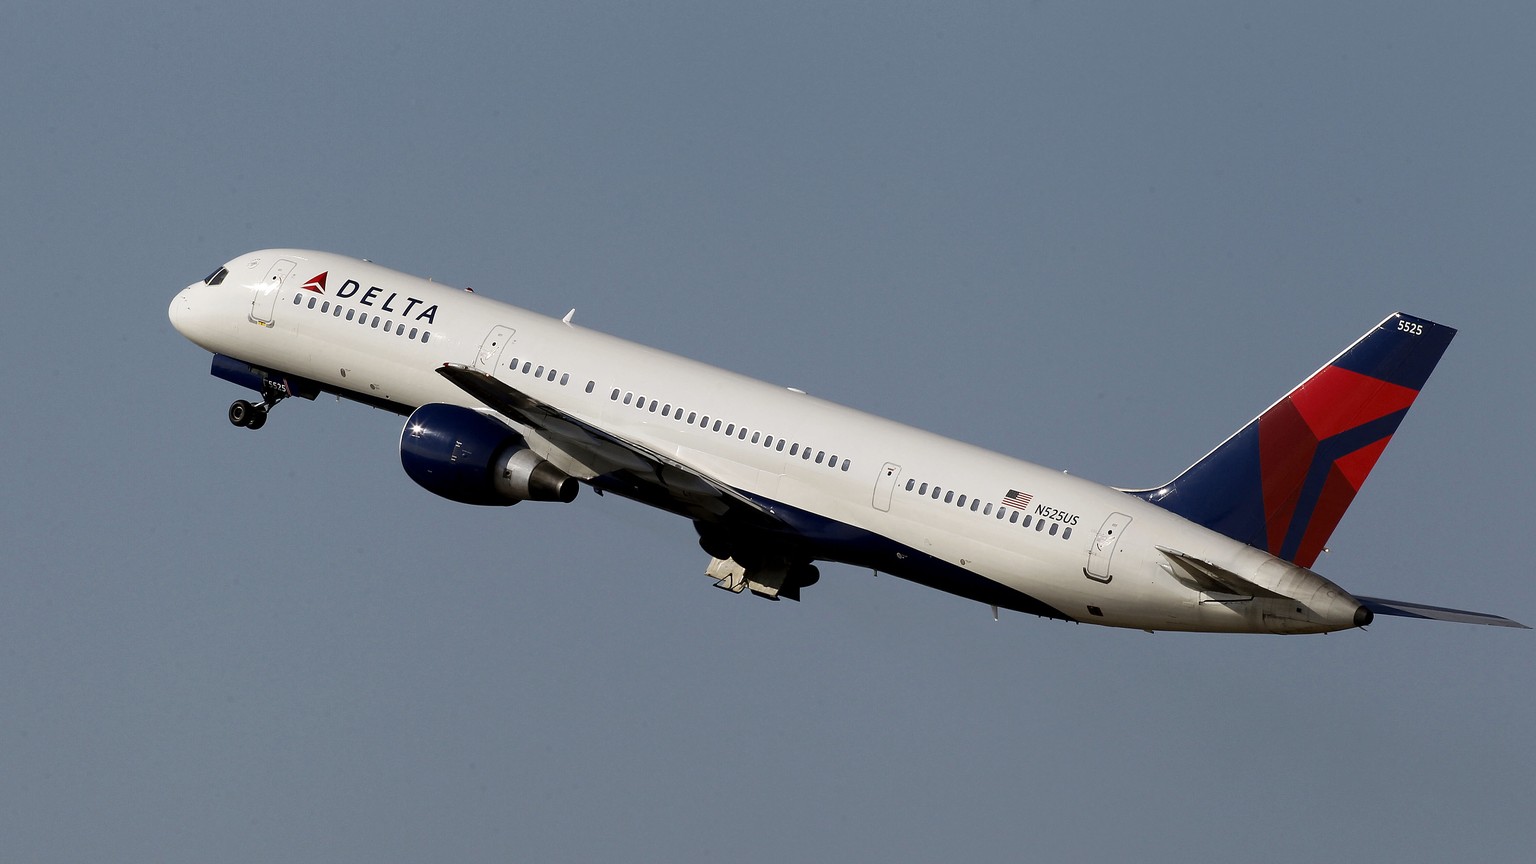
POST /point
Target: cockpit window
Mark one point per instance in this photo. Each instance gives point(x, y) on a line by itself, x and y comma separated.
point(216, 276)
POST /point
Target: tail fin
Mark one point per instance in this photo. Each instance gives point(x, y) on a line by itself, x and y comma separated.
point(1282, 482)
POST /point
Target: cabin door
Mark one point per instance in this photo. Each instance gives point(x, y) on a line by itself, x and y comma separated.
point(490, 350)
point(265, 301)
point(885, 484)
point(1102, 551)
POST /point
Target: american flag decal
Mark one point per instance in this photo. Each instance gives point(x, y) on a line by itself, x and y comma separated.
point(1018, 499)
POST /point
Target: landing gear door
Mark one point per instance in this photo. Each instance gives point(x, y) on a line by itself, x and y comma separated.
point(1102, 550)
point(265, 301)
point(489, 355)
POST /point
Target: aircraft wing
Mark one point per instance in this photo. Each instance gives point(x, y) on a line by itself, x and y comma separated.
point(1438, 613)
point(619, 465)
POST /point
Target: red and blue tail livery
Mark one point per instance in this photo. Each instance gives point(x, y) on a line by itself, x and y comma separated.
point(1283, 482)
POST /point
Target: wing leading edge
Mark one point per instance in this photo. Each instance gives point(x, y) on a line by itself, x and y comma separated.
point(616, 464)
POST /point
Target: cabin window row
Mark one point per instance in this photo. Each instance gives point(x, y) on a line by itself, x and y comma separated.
point(1013, 514)
point(730, 430)
point(541, 373)
point(335, 310)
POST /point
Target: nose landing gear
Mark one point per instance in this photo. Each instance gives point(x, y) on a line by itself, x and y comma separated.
point(254, 416)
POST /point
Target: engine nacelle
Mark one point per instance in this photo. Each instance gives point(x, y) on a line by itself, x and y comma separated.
point(471, 458)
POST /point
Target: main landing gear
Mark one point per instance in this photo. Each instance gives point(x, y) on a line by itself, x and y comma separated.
point(254, 416)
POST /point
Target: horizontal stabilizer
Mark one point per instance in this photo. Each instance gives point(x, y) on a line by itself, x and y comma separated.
point(1208, 577)
point(1437, 613)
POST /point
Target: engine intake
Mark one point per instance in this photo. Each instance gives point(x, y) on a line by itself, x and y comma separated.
point(469, 457)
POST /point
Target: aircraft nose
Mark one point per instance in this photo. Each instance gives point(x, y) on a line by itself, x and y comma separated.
point(181, 309)
point(192, 316)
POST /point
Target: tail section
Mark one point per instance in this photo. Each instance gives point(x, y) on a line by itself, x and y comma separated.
point(1282, 482)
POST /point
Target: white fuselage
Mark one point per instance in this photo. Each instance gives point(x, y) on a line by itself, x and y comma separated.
point(1085, 550)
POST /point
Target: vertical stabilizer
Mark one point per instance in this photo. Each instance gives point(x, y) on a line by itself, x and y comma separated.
point(1282, 482)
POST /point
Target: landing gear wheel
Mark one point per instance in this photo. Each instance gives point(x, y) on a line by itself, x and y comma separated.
point(241, 412)
point(258, 418)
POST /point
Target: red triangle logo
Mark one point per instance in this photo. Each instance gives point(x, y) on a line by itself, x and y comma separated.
point(317, 284)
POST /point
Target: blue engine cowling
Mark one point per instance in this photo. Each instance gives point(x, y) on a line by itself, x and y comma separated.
point(471, 458)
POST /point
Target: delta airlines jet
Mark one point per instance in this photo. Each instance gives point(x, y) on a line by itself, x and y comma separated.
point(503, 405)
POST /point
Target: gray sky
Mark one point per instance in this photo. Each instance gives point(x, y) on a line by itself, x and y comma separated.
point(1097, 236)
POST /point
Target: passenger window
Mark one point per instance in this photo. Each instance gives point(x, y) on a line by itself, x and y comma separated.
point(526, 366)
point(1040, 526)
point(1054, 526)
point(653, 406)
point(325, 307)
point(949, 497)
point(412, 334)
point(375, 322)
point(387, 326)
point(793, 449)
point(1013, 516)
point(1027, 519)
point(425, 335)
point(513, 364)
point(297, 299)
point(628, 397)
point(666, 410)
point(987, 511)
point(936, 491)
point(615, 395)
point(755, 436)
point(693, 417)
point(974, 503)
point(923, 489)
point(961, 502)
point(551, 375)
point(780, 446)
point(311, 302)
point(820, 454)
point(730, 429)
point(591, 385)
point(539, 372)
point(806, 454)
point(564, 379)
point(1066, 534)
point(742, 434)
point(910, 484)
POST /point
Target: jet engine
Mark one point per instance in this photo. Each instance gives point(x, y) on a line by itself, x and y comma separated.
point(469, 457)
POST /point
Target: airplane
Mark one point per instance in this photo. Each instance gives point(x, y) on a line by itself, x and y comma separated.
point(504, 405)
